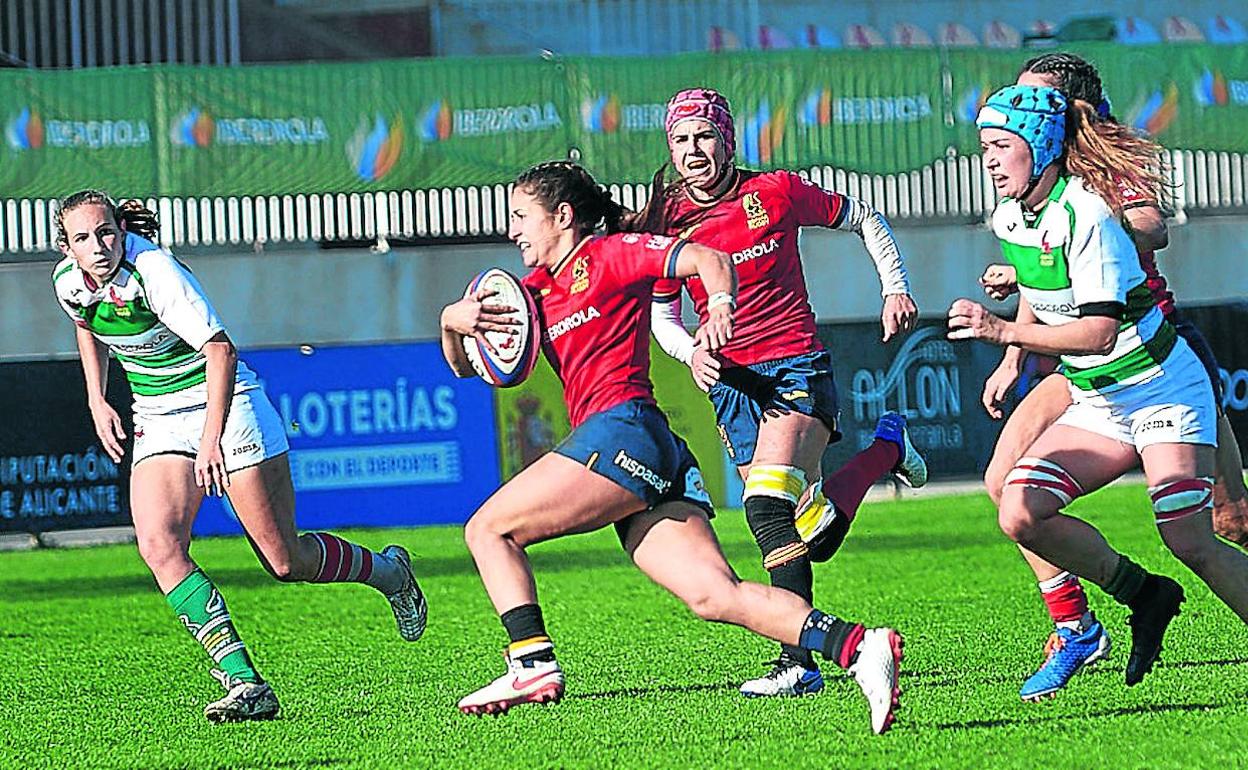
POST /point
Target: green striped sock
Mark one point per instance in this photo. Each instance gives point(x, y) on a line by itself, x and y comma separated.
point(199, 606)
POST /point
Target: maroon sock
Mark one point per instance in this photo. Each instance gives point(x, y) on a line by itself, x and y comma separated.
point(849, 485)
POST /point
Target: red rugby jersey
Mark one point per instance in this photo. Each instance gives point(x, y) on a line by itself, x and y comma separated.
point(595, 310)
point(1156, 282)
point(757, 223)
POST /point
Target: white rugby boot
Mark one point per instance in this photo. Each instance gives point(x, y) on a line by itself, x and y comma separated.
point(243, 701)
point(875, 671)
point(533, 681)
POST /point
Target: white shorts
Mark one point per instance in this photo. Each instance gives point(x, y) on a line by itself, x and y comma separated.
point(253, 432)
point(1174, 408)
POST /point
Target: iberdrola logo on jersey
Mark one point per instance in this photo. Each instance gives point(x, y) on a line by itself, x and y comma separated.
point(375, 146)
point(25, 132)
point(762, 133)
point(1155, 111)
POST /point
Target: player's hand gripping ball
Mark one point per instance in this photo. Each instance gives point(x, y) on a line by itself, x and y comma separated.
point(505, 359)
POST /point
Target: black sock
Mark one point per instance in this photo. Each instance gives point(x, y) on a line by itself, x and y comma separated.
point(795, 577)
point(836, 639)
point(829, 541)
point(1127, 583)
point(771, 523)
point(524, 625)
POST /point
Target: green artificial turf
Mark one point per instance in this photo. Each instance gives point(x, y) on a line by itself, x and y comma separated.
point(97, 672)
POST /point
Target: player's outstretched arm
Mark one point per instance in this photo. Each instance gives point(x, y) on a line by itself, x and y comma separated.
point(715, 269)
point(900, 312)
point(1090, 335)
point(669, 331)
point(677, 342)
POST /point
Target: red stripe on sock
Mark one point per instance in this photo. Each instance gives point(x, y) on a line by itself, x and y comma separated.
point(1184, 485)
point(846, 657)
point(848, 486)
point(1067, 602)
point(1060, 473)
point(1046, 484)
point(348, 558)
point(333, 556)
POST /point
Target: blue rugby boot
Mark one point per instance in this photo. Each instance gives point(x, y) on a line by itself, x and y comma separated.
point(1068, 651)
point(787, 678)
point(911, 468)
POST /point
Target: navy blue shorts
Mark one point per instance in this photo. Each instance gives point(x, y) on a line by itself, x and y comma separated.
point(632, 444)
point(1200, 346)
point(743, 394)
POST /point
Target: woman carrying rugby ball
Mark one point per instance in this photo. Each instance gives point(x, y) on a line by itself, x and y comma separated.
point(622, 464)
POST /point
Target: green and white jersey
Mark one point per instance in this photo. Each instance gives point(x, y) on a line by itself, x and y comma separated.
point(1072, 253)
point(154, 317)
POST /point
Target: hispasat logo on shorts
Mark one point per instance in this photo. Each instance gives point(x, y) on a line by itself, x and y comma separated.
point(639, 471)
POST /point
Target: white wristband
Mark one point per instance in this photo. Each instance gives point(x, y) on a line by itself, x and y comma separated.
point(720, 298)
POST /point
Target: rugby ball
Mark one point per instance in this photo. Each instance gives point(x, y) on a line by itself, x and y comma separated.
point(514, 355)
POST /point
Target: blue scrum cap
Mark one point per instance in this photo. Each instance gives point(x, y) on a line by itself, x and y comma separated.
point(1035, 113)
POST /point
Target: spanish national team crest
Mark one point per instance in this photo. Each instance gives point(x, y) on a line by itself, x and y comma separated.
point(755, 214)
point(580, 275)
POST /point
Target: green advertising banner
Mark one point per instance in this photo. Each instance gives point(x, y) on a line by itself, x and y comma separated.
point(68, 130)
point(532, 418)
point(1189, 97)
point(394, 125)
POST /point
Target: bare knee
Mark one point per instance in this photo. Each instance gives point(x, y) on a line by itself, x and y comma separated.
point(292, 563)
point(283, 570)
point(994, 482)
point(162, 551)
point(1019, 522)
point(712, 603)
point(997, 472)
point(483, 531)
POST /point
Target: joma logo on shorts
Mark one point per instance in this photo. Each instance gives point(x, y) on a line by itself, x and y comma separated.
point(639, 471)
point(244, 449)
point(1158, 423)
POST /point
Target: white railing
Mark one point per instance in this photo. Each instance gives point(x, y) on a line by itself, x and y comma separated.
point(952, 189)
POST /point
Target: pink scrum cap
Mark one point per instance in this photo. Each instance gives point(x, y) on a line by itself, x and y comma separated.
point(704, 104)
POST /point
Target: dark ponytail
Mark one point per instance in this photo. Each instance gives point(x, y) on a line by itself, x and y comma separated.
point(1075, 77)
point(658, 215)
point(132, 214)
point(139, 219)
point(562, 181)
